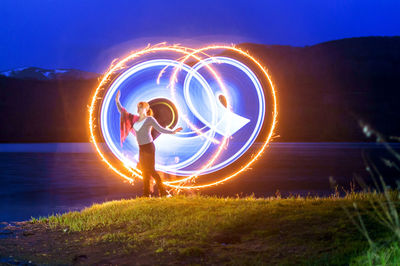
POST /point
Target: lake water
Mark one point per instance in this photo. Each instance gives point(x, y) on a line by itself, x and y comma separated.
point(41, 179)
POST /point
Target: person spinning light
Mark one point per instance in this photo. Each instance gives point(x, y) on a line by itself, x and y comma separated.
point(140, 126)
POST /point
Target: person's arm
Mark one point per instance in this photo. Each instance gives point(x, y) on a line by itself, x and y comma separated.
point(156, 125)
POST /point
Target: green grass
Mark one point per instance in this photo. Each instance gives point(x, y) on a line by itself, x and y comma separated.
point(362, 228)
point(384, 207)
point(238, 231)
point(388, 254)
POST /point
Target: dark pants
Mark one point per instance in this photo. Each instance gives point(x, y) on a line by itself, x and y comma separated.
point(147, 161)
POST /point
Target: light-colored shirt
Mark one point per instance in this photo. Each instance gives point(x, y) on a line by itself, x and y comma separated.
point(138, 124)
point(143, 134)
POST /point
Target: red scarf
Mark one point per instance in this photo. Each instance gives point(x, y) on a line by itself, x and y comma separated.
point(127, 121)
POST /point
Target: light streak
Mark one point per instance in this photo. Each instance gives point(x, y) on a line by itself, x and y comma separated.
point(190, 53)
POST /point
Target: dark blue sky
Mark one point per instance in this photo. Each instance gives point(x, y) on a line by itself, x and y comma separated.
point(87, 35)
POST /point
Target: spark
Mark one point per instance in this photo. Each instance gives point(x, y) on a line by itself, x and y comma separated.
point(185, 182)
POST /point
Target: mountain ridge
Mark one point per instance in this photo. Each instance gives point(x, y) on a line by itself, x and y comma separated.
point(322, 91)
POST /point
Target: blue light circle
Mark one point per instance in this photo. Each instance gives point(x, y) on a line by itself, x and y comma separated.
point(190, 149)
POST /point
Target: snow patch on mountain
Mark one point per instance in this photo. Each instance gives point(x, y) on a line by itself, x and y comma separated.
point(47, 74)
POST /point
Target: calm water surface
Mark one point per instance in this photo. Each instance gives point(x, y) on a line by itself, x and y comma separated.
point(42, 179)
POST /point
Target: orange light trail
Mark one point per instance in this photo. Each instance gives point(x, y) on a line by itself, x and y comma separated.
point(115, 66)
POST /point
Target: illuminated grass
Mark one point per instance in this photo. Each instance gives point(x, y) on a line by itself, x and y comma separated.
point(388, 254)
point(226, 230)
point(362, 228)
point(384, 208)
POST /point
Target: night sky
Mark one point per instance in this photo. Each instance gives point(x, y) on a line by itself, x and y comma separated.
point(87, 35)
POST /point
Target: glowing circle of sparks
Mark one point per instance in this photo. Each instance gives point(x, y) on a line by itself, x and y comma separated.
point(108, 99)
point(188, 52)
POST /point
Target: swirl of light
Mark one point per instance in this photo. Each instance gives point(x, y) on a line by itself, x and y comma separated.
point(108, 99)
point(213, 125)
point(120, 65)
point(261, 111)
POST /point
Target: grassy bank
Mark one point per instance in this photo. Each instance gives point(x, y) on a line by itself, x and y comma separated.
point(201, 230)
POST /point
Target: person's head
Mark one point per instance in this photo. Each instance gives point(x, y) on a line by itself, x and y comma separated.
point(144, 107)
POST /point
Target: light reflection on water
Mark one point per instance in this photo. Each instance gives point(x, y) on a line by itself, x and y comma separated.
point(44, 178)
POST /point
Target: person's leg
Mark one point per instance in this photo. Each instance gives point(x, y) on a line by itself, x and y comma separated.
point(156, 176)
point(160, 185)
point(146, 183)
point(144, 158)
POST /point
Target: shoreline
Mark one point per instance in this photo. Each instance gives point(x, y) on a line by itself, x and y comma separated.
point(198, 230)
